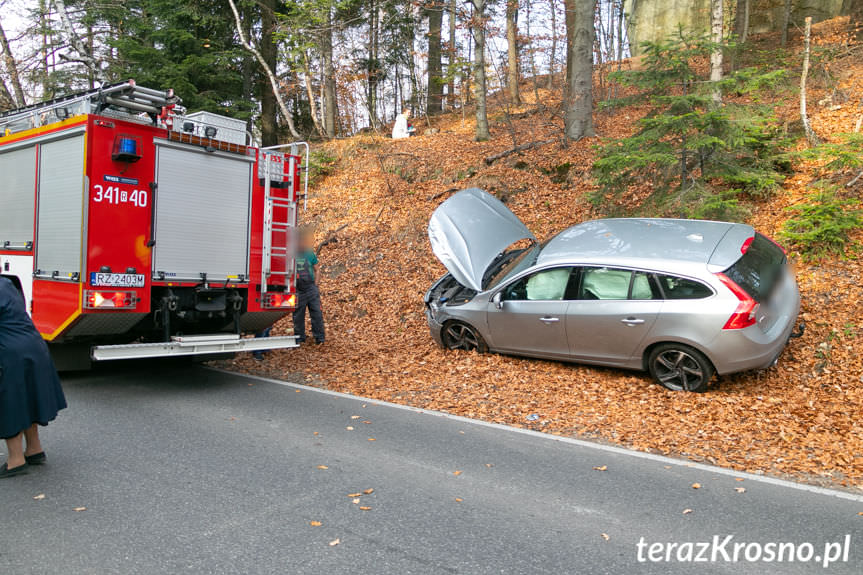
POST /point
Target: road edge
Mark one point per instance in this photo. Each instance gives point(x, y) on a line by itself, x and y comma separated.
point(569, 440)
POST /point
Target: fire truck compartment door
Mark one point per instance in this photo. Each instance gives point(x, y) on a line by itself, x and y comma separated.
point(17, 196)
point(202, 213)
point(60, 221)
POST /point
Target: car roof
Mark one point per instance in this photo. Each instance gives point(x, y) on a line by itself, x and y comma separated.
point(630, 241)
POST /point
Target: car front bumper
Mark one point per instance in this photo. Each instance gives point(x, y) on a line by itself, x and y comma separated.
point(435, 328)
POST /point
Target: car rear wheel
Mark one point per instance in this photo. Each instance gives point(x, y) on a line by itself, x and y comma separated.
point(457, 335)
point(679, 367)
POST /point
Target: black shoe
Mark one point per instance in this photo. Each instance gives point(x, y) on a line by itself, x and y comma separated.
point(300, 341)
point(319, 341)
point(6, 472)
point(36, 458)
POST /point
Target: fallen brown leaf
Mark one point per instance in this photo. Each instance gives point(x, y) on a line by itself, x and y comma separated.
point(79, 509)
point(601, 467)
point(696, 486)
point(322, 467)
point(365, 508)
point(456, 472)
point(458, 499)
point(740, 489)
point(687, 511)
point(369, 491)
point(39, 497)
point(605, 536)
point(335, 542)
point(315, 523)
point(354, 494)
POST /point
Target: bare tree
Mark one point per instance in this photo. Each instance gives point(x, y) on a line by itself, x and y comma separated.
point(270, 74)
point(330, 100)
point(84, 53)
point(811, 137)
point(553, 56)
point(453, 56)
point(482, 132)
point(11, 70)
point(741, 20)
point(310, 92)
point(716, 52)
point(786, 19)
point(434, 81)
point(512, 51)
point(578, 92)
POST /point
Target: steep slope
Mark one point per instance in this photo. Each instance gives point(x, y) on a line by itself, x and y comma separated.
point(800, 418)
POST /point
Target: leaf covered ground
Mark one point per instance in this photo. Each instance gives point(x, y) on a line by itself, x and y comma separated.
point(801, 418)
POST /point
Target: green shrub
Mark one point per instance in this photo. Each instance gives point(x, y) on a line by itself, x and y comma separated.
point(823, 225)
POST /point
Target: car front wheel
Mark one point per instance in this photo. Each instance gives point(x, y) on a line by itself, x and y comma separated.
point(679, 367)
point(457, 335)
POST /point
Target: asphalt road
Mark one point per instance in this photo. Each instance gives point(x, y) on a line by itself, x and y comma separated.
point(187, 470)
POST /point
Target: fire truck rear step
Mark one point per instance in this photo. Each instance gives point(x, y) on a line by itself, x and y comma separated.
point(192, 345)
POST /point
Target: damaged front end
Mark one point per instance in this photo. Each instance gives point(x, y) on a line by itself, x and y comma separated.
point(445, 293)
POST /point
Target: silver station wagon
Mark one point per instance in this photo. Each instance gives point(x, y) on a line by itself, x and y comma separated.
point(682, 299)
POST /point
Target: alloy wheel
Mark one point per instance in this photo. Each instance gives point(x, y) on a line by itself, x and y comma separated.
point(461, 336)
point(677, 370)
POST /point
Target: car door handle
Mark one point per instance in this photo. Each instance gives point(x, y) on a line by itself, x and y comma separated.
point(630, 321)
point(549, 319)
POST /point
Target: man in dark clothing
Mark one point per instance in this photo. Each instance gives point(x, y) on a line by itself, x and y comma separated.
point(308, 295)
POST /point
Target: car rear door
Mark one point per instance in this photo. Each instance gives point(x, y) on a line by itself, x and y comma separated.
point(613, 311)
point(531, 319)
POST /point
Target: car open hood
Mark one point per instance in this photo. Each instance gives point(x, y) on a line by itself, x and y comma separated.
point(469, 230)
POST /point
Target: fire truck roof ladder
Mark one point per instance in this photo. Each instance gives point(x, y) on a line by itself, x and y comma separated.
point(125, 95)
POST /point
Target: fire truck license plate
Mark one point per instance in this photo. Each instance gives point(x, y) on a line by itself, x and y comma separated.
point(117, 280)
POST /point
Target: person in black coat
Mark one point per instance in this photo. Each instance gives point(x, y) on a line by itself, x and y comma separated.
point(30, 392)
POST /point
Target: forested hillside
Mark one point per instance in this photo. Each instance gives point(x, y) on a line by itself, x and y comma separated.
point(370, 205)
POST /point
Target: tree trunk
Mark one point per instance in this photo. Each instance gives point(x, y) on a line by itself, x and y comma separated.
point(434, 101)
point(553, 55)
point(786, 20)
point(741, 20)
point(578, 92)
point(372, 97)
point(6, 100)
point(269, 52)
point(330, 101)
point(854, 9)
point(804, 117)
point(716, 52)
point(512, 51)
point(310, 92)
point(482, 132)
point(453, 56)
point(11, 68)
point(268, 73)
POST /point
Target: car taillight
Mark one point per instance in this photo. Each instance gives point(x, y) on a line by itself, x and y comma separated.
point(280, 300)
point(110, 299)
point(744, 315)
point(745, 247)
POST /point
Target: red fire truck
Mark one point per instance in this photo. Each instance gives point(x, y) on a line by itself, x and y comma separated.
point(136, 230)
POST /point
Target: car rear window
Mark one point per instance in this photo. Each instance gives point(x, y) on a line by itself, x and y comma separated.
point(758, 269)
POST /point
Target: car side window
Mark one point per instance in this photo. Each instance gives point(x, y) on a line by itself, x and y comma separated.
point(681, 288)
point(604, 283)
point(644, 287)
point(545, 285)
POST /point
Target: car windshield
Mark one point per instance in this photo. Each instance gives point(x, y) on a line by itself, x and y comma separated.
point(509, 263)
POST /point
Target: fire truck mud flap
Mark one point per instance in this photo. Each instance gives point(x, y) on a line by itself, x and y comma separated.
point(192, 345)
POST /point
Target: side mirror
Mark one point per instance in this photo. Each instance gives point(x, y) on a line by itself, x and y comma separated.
point(497, 299)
